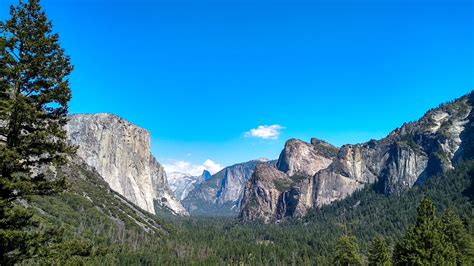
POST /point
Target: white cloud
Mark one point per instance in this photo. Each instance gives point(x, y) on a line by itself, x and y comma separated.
point(192, 169)
point(265, 132)
point(212, 167)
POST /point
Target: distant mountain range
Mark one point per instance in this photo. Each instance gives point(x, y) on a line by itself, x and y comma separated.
point(221, 194)
point(305, 176)
point(118, 193)
point(182, 183)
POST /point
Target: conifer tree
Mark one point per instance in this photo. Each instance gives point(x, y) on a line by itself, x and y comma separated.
point(347, 251)
point(425, 243)
point(379, 253)
point(34, 96)
point(456, 234)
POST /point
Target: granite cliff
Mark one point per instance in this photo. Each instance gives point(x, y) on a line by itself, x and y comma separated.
point(120, 152)
point(313, 177)
point(275, 192)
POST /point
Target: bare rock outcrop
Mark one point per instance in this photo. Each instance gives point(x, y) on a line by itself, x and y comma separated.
point(262, 193)
point(301, 158)
point(286, 188)
point(120, 152)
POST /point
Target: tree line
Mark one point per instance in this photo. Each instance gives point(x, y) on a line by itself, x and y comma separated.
point(432, 240)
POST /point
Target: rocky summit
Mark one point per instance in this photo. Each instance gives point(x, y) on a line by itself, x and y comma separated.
point(301, 158)
point(120, 152)
point(310, 175)
point(283, 190)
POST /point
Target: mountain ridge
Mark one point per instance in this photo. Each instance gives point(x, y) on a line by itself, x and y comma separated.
point(409, 154)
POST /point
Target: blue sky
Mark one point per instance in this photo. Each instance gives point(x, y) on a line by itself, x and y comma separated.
point(199, 75)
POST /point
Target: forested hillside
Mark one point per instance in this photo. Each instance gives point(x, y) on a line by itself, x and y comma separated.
point(366, 215)
point(91, 233)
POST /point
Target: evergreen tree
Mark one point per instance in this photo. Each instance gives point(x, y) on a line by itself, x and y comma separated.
point(347, 251)
point(456, 234)
point(34, 93)
point(425, 243)
point(379, 253)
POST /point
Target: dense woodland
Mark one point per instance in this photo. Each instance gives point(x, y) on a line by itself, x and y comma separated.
point(349, 230)
point(60, 220)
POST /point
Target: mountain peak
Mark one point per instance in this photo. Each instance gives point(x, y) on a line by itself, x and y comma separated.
point(299, 157)
point(206, 175)
point(406, 157)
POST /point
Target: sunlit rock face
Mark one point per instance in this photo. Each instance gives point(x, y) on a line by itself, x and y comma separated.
point(286, 189)
point(120, 152)
point(301, 158)
point(319, 175)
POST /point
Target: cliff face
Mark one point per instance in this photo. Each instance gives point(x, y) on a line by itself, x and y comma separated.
point(407, 156)
point(120, 152)
point(286, 189)
point(221, 194)
point(262, 193)
point(301, 158)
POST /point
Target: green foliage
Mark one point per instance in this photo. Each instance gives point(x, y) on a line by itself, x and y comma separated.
point(347, 251)
point(379, 253)
point(408, 141)
point(314, 237)
point(95, 225)
point(285, 184)
point(209, 209)
point(456, 234)
point(433, 240)
point(324, 148)
point(89, 212)
point(34, 93)
point(282, 184)
point(298, 178)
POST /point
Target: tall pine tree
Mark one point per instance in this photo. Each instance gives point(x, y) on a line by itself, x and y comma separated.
point(379, 253)
point(456, 235)
point(34, 96)
point(425, 243)
point(347, 251)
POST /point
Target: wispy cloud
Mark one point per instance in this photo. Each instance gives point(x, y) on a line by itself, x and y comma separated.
point(265, 132)
point(192, 169)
